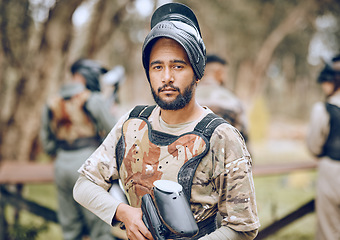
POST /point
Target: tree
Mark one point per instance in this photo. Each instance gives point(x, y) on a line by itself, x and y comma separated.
point(35, 55)
point(254, 35)
point(34, 58)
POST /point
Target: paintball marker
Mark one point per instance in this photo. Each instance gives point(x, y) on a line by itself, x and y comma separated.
point(168, 212)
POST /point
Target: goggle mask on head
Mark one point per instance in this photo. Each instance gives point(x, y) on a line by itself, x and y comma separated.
point(178, 22)
point(188, 36)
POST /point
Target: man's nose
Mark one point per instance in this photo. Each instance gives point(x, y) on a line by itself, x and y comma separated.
point(168, 75)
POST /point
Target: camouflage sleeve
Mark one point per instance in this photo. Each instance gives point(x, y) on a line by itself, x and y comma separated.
point(234, 180)
point(101, 166)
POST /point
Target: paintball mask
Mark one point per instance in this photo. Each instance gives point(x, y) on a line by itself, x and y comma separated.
point(168, 212)
point(91, 71)
point(178, 22)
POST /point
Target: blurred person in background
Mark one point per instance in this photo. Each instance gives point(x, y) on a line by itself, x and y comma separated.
point(74, 122)
point(323, 141)
point(211, 92)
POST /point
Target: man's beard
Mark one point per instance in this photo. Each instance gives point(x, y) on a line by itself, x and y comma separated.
point(181, 100)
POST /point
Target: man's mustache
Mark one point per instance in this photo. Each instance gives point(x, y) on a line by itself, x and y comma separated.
point(167, 86)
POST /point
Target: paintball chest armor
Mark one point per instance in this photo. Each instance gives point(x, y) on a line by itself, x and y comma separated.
point(332, 144)
point(145, 155)
point(71, 123)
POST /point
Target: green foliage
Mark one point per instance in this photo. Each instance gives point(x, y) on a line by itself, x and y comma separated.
point(258, 120)
point(281, 194)
point(30, 226)
point(26, 232)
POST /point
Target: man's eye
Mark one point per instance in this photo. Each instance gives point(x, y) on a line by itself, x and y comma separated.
point(178, 66)
point(157, 67)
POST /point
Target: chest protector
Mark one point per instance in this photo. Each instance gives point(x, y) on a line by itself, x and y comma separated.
point(69, 119)
point(332, 145)
point(145, 155)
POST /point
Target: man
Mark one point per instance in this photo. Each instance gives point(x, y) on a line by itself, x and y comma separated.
point(323, 141)
point(163, 143)
point(73, 122)
point(211, 93)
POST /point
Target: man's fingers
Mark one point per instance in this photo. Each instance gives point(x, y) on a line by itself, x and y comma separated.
point(135, 235)
point(139, 231)
point(132, 218)
point(140, 236)
point(146, 233)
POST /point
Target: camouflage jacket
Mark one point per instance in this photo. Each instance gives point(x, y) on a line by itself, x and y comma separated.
point(223, 180)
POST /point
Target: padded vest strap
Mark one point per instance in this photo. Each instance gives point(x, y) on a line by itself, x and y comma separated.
point(142, 111)
point(147, 112)
point(208, 125)
point(137, 110)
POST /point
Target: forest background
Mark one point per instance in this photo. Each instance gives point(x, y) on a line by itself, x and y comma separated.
point(275, 51)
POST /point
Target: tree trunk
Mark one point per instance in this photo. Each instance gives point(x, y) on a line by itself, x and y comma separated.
point(30, 72)
point(107, 16)
point(253, 74)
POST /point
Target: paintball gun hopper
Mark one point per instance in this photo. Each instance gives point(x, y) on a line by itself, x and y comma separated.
point(169, 211)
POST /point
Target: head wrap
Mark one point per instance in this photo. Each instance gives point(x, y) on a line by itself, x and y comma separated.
point(326, 74)
point(336, 58)
point(329, 74)
point(212, 58)
point(178, 22)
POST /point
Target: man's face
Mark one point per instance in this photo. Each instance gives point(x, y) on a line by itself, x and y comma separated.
point(328, 88)
point(336, 65)
point(172, 78)
point(216, 71)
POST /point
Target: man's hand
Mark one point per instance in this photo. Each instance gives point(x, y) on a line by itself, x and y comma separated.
point(132, 218)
